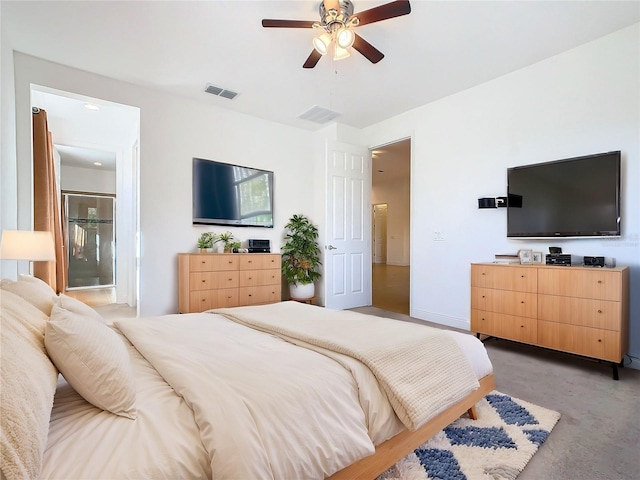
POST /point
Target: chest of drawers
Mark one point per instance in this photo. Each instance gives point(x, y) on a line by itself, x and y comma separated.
point(578, 310)
point(218, 280)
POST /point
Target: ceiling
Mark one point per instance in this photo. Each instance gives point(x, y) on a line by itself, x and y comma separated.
point(441, 48)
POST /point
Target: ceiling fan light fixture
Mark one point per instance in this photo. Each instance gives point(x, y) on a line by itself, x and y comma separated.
point(345, 37)
point(321, 43)
point(340, 53)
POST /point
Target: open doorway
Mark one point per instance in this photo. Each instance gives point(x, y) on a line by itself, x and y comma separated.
point(391, 222)
point(95, 145)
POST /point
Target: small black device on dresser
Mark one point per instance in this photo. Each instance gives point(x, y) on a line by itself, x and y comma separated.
point(593, 261)
point(259, 246)
point(563, 259)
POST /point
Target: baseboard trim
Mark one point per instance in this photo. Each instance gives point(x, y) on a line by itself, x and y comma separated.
point(635, 363)
point(453, 322)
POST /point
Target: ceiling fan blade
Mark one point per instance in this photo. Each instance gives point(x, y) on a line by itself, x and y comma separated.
point(313, 59)
point(365, 48)
point(383, 12)
point(287, 23)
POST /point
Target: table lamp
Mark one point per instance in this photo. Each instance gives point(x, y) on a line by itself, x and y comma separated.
point(27, 245)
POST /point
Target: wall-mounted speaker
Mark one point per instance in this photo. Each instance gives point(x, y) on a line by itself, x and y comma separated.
point(488, 202)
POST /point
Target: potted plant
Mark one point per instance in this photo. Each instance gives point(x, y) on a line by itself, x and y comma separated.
point(301, 257)
point(206, 241)
point(228, 241)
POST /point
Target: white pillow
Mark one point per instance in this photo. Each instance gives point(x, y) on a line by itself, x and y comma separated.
point(93, 359)
point(34, 291)
point(28, 381)
point(76, 306)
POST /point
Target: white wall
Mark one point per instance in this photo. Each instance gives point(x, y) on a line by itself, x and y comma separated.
point(87, 180)
point(172, 131)
point(581, 102)
point(8, 171)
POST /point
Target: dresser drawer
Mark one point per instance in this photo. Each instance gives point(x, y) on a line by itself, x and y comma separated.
point(260, 261)
point(202, 300)
point(603, 314)
point(521, 329)
point(258, 295)
point(250, 278)
point(213, 262)
point(213, 280)
point(504, 277)
point(590, 342)
point(583, 283)
point(522, 304)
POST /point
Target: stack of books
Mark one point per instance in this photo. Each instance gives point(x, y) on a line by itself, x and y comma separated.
point(506, 258)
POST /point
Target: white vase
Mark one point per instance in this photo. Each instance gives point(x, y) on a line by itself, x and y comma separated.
point(301, 291)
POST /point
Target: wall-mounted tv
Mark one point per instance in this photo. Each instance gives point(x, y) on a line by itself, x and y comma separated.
point(225, 194)
point(574, 197)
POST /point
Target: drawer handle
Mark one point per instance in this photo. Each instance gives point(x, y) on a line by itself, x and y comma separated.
point(521, 301)
point(203, 281)
point(521, 276)
point(599, 311)
point(521, 326)
point(203, 262)
point(250, 278)
point(483, 296)
point(483, 273)
point(202, 300)
point(600, 340)
point(230, 262)
point(599, 281)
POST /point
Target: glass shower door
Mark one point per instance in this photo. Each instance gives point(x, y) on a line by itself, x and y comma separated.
point(91, 240)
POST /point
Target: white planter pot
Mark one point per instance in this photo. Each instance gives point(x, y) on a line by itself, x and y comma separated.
point(300, 291)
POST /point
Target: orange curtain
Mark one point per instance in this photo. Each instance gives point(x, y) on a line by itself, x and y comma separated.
point(46, 202)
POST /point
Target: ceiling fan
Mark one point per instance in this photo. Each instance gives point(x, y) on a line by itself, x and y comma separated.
point(337, 23)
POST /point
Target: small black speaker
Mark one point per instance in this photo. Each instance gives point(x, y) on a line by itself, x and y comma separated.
point(487, 202)
point(593, 261)
point(259, 246)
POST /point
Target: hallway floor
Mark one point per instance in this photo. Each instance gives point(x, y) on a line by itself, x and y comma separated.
point(94, 296)
point(390, 287)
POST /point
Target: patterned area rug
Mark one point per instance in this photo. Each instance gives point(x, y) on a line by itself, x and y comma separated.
point(496, 446)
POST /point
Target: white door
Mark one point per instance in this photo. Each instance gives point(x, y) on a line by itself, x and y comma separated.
point(347, 260)
point(380, 233)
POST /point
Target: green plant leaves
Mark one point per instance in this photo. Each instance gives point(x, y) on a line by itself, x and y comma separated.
point(300, 253)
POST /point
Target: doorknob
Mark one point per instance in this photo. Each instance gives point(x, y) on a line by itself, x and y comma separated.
point(331, 247)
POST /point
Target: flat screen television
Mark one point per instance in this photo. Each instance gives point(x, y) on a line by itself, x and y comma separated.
point(225, 194)
point(574, 197)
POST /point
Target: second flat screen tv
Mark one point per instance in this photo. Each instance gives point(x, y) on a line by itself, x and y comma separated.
point(575, 197)
point(225, 194)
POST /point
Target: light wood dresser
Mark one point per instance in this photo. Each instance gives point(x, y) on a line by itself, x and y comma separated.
point(579, 310)
point(217, 280)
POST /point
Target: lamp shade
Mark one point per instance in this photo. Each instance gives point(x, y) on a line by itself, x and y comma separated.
point(345, 38)
point(321, 43)
point(27, 245)
point(340, 53)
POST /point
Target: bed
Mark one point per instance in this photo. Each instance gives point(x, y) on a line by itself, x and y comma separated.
point(278, 391)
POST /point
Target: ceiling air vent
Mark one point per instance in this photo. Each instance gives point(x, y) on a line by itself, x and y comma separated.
point(318, 114)
point(220, 92)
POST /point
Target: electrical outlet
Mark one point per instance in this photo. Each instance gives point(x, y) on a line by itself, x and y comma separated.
point(438, 236)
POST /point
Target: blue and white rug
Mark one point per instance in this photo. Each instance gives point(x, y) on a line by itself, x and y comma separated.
point(496, 446)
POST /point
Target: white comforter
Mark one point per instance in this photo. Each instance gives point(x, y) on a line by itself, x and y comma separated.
point(262, 416)
point(248, 405)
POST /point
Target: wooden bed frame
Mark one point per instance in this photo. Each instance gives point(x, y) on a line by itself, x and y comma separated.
point(396, 448)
